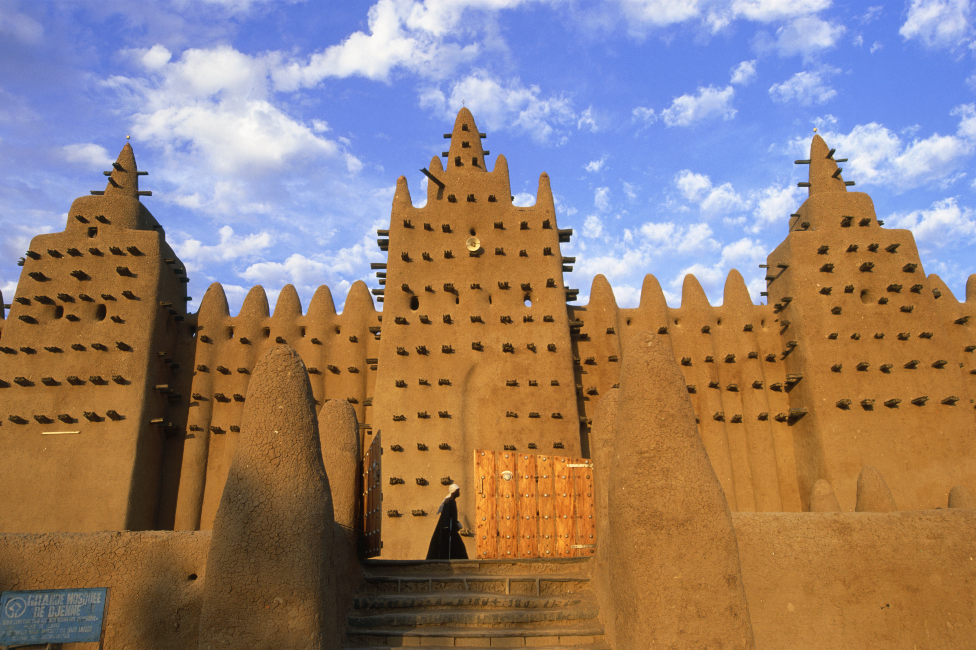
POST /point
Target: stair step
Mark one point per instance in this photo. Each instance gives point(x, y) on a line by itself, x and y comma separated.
point(521, 585)
point(596, 645)
point(482, 619)
point(589, 636)
point(462, 599)
point(509, 568)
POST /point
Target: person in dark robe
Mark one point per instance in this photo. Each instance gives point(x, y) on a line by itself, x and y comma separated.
point(446, 543)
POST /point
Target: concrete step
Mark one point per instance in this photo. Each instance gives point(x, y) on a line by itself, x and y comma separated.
point(463, 600)
point(595, 645)
point(482, 619)
point(520, 585)
point(535, 566)
point(589, 636)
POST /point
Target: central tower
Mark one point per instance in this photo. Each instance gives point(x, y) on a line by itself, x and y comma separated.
point(476, 350)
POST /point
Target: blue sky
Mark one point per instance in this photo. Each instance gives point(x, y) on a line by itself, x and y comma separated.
point(274, 132)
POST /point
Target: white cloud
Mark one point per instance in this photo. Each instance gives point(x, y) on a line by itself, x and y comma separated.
point(89, 154)
point(669, 236)
point(601, 199)
point(709, 103)
point(196, 254)
point(308, 272)
point(216, 104)
point(508, 105)
point(592, 226)
point(698, 188)
point(742, 253)
point(401, 34)
point(936, 24)
point(595, 165)
point(879, 156)
point(20, 27)
point(805, 88)
point(645, 115)
point(773, 204)
point(766, 11)
point(945, 222)
point(660, 12)
point(587, 121)
point(804, 36)
point(744, 73)
point(876, 46)
point(524, 200)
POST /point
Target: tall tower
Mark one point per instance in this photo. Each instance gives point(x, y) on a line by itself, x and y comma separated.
point(882, 357)
point(87, 377)
point(475, 350)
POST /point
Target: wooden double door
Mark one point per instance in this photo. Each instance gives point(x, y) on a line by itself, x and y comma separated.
point(533, 506)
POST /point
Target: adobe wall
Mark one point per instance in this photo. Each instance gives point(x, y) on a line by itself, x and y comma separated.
point(155, 580)
point(86, 368)
point(475, 351)
point(832, 581)
point(339, 350)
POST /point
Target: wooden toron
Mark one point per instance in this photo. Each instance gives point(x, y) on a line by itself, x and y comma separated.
point(532, 505)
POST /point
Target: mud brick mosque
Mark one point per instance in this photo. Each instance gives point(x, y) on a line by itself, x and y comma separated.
point(798, 474)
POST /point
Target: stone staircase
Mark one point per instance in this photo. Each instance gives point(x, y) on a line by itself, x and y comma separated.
point(476, 604)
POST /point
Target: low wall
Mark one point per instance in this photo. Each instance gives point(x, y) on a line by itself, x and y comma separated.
point(155, 580)
point(825, 581)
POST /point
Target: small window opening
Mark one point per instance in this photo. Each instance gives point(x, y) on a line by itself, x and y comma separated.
point(230, 333)
point(472, 232)
point(414, 303)
point(628, 321)
point(866, 297)
point(489, 298)
point(301, 331)
point(59, 311)
point(100, 312)
point(92, 231)
point(528, 300)
point(266, 331)
point(337, 330)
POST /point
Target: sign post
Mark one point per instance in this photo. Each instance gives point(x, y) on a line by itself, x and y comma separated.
point(52, 616)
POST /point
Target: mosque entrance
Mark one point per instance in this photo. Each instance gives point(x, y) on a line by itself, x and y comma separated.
point(373, 498)
point(533, 505)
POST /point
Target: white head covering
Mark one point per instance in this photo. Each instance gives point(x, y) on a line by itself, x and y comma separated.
point(454, 488)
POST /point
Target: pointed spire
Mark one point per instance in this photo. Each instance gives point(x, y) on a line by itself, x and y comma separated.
point(501, 168)
point(322, 305)
point(401, 198)
point(873, 494)
point(466, 152)
point(358, 300)
point(657, 592)
point(692, 294)
point(255, 304)
point(289, 305)
point(736, 291)
point(823, 169)
point(960, 497)
point(213, 309)
point(124, 179)
point(543, 198)
point(437, 171)
point(971, 288)
point(601, 294)
point(823, 499)
point(653, 312)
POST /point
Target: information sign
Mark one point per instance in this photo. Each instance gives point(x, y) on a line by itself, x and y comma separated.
point(51, 616)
